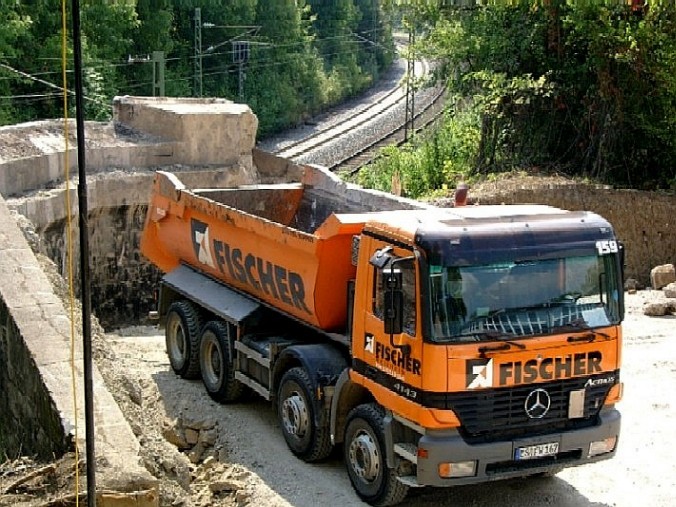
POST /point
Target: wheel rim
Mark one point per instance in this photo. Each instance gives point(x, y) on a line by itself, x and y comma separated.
point(364, 456)
point(294, 415)
point(212, 367)
point(177, 342)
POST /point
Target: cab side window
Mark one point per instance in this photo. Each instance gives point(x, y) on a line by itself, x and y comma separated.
point(408, 286)
point(407, 269)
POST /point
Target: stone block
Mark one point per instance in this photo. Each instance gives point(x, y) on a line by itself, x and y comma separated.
point(659, 309)
point(148, 498)
point(670, 290)
point(208, 131)
point(663, 275)
point(28, 286)
point(191, 436)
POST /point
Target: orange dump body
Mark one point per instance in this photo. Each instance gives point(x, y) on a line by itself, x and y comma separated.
point(277, 243)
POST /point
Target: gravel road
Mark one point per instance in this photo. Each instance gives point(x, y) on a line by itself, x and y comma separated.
point(250, 445)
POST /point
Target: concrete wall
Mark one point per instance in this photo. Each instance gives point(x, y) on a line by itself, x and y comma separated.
point(147, 132)
point(33, 329)
point(122, 281)
point(206, 131)
point(644, 221)
point(37, 414)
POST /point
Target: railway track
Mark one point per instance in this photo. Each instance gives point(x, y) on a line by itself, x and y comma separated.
point(351, 163)
point(355, 119)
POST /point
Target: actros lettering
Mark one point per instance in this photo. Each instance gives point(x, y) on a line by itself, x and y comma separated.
point(550, 368)
point(259, 274)
point(397, 359)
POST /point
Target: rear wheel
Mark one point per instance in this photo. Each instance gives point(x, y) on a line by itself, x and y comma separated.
point(218, 374)
point(182, 338)
point(296, 413)
point(364, 449)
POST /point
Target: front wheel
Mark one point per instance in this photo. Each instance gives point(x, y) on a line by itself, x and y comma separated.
point(364, 449)
point(296, 413)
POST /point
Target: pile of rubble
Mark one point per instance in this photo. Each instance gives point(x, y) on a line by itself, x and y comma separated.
point(661, 278)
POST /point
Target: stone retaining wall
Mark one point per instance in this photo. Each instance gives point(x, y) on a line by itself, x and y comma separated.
point(644, 221)
point(31, 422)
point(37, 412)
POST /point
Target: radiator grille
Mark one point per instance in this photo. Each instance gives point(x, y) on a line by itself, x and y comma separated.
point(499, 414)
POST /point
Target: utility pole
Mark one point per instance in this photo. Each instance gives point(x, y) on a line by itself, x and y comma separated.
point(240, 48)
point(410, 90)
point(158, 73)
point(374, 31)
point(198, 53)
point(240, 55)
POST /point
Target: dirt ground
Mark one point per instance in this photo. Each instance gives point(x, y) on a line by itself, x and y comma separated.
point(206, 454)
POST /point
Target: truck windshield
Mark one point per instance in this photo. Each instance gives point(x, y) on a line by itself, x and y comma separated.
point(527, 298)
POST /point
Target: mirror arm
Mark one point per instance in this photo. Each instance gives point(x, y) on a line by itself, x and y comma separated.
point(406, 348)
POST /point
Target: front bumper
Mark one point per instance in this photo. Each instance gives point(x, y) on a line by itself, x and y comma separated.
point(495, 460)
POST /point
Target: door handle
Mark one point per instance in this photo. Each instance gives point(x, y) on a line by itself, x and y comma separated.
point(371, 372)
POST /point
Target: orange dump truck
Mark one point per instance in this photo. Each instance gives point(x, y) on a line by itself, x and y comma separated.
point(436, 346)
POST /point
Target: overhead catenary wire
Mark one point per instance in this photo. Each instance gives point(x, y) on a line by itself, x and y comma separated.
point(308, 47)
point(47, 83)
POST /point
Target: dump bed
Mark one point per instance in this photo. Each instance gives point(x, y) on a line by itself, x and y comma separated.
point(278, 243)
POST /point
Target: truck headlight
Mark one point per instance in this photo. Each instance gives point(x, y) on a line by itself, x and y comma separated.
point(457, 469)
point(602, 446)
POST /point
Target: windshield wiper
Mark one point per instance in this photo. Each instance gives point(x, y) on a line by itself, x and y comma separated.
point(497, 335)
point(505, 345)
point(580, 325)
point(588, 337)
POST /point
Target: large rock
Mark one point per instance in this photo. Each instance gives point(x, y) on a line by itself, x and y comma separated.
point(670, 290)
point(659, 309)
point(661, 276)
point(208, 131)
point(631, 285)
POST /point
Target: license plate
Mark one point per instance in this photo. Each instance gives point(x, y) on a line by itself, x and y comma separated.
point(537, 451)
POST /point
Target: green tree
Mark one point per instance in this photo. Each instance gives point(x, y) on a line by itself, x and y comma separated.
point(13, 26)
point(336, 24)
point(291, 71)
point(585, 87)
point(286, 70)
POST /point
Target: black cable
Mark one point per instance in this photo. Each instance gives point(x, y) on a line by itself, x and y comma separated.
point(85, 286)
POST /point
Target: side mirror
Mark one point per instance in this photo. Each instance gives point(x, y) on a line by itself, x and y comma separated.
point(381, 257)
point(621, 262)
point(393, 301)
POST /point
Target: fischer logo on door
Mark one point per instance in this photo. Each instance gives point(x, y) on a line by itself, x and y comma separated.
point(369, 340)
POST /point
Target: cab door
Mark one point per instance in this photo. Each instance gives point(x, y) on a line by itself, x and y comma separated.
point(392, 362)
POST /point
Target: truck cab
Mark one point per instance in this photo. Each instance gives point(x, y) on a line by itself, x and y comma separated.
point(490, 336)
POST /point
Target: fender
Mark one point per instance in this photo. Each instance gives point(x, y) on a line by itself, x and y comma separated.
point(347, 395)
point(323, 362)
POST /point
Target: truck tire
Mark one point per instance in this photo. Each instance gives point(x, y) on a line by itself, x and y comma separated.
point(218, 374)
point(182, 334)
point(296, 411)
point(364, 449)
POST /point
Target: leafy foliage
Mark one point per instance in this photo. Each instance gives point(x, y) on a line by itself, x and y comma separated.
point(439, 159)
point(586, 87)
point(303, 55)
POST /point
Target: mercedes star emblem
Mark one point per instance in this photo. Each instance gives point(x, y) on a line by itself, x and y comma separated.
point(537, 404)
